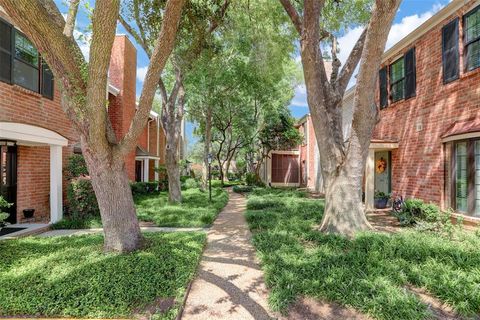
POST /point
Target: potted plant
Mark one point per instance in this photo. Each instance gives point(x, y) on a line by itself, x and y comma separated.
point(381, 199)
point(3, 215)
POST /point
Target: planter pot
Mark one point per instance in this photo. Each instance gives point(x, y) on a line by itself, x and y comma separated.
point(28, 213)
point(380, 203)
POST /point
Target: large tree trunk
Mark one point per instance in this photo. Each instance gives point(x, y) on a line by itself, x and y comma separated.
point(115, 201)
point(172, 165)
point(206, 148)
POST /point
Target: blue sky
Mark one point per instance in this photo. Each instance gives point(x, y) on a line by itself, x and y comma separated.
point(412, 13)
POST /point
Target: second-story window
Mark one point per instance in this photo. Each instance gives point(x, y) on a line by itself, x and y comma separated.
point(397, 80)
point(472, 39)
point(26, 63)
point(450, 52)
point(403, 77)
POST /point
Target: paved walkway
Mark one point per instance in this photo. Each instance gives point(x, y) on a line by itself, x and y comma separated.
point(229, 284)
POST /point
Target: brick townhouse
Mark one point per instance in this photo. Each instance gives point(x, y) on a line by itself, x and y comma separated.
point(36, 138)
point(427, 143)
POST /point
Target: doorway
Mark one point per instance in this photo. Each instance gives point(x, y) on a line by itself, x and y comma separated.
point(8, 179)
point(383, 172)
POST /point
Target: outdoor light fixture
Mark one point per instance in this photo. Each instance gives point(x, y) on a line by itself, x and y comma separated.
point(209, 160)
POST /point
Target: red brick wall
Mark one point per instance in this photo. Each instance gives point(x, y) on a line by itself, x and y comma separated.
point(153, 137)
point(122, 75)
point(418, 165)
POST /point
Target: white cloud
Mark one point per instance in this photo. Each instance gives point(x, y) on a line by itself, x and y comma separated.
point(141, 72)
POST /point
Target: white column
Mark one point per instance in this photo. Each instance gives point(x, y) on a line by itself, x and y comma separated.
point(156, 171)
point(146, 168)
point(56, 201)
point(370, 180)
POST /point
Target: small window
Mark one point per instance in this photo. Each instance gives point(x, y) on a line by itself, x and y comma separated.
point(472, 39)
point(397, 80)
point(26, 62)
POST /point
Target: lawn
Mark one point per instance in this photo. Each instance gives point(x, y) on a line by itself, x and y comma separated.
point(370, 272)
point(195, 211)
point(72, 277)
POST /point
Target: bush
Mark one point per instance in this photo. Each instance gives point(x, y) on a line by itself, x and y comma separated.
point(81, 198)
point(250, 179)
point(3, 215)
point(428, 216)
point(190, 183)
point(76, 167)
point(242, 189)
point(141, 188)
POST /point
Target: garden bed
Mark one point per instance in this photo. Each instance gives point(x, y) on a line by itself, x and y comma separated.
point(72, 277)
point(370, 272)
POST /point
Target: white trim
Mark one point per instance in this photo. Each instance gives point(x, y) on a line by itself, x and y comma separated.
point(139, 158)
point(30, 135)
point(370, 180)
point(283, 184)
point(292, 152)
point(56, 201)
point(425, 27)
point(307, 162)
point(146, 170)
point(113, 90)
point(462, 136)
point(383, 146)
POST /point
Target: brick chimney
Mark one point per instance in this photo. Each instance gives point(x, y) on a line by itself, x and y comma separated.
point(123, 76)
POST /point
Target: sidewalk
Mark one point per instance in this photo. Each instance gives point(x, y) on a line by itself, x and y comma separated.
point(229, 284)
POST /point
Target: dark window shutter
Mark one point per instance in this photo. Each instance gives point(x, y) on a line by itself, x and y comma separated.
point(410, 74)
point(47, 81)
point(5, 51)
point(382, 79)
point(450, 52)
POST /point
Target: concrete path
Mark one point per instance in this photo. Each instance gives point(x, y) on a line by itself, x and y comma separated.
point(79, 232)
point(229, 284)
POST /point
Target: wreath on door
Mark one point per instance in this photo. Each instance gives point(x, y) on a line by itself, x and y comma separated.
point(381, 165)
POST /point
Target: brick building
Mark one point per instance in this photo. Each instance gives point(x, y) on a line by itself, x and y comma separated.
point(427, 143)
point(428, 138)
point(36, 138)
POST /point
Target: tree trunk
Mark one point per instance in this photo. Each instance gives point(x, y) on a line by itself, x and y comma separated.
point(206, 148)
point(344, 213)
point(115, 201)
point(171, 164)
point(220, 171)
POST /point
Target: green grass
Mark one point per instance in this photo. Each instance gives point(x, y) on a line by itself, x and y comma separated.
point(72, 277)
point(195, 210)
point(369, 272)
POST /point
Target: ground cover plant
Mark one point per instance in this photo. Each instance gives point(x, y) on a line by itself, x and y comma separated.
point(73, 277)
point(370, 272)
point(195, 210)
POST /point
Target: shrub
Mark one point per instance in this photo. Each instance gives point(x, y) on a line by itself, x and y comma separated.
point(140, 188)
point(250, 179)
point(3, 215)
point(242, 189)
point(82, 199)
point(76, 167)
point(190, 183)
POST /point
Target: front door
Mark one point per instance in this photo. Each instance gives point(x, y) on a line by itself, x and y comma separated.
point(8, 179)
point(383, 171)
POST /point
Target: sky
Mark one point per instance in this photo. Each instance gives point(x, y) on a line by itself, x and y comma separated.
point(412, 13)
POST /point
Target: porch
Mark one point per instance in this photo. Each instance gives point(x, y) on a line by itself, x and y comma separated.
point(31, 171)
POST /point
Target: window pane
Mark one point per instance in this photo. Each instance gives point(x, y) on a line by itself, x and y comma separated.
point(398, 90)
point(473, 26)
point(25, 75)
point(397, 71)
point(25, 50)
point(461, 177)
point(473, 55)
point(477, 178)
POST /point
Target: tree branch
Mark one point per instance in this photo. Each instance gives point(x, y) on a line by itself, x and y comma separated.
point(138, 38)
point(163, 48)
point(293, 14)
point(351, 63)
point(71, 18)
